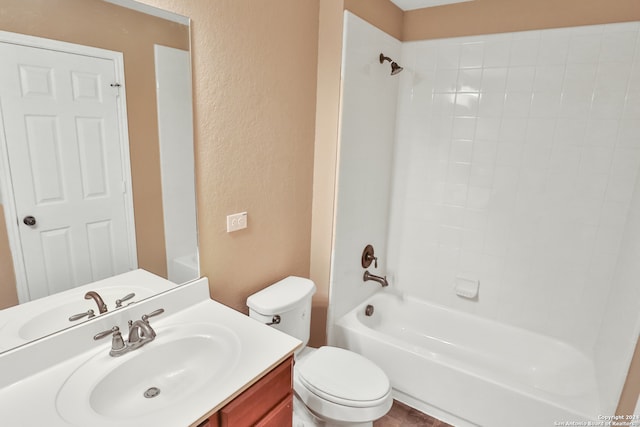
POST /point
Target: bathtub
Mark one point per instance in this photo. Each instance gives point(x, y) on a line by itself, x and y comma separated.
point(470, 371)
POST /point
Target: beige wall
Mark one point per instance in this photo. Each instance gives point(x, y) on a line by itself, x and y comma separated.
point(325, 159)
point(381, 13)
point(495, 16)
point(254, 69)
point(103, 25)
point(490, 16)
point(631, 389)
point(8, 294)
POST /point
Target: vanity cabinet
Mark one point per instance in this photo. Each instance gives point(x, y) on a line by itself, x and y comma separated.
point(267, 403)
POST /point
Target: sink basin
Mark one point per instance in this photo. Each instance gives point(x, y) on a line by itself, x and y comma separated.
point(178, 364)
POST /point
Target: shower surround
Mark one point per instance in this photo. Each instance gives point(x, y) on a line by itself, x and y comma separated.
point(514, 163)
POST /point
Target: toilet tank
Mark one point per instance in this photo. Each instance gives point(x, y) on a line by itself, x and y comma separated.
point(290, 298)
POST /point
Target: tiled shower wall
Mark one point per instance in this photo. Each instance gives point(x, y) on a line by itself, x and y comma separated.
point(516, 160)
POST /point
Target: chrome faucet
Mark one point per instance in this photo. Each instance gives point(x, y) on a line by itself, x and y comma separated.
point(102, 307)
point(140, 333)
point(368, 276)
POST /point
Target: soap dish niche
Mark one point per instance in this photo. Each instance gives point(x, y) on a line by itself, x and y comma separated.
point(467, 288)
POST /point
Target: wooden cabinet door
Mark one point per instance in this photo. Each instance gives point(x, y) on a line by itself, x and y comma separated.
point(260, 399)
point(280, 416)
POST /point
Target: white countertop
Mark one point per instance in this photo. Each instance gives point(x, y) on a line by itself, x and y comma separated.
point(31, 376)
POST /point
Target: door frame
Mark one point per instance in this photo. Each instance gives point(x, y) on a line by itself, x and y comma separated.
point(6, 185)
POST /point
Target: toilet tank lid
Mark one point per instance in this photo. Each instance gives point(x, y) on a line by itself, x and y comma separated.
point(281, 296)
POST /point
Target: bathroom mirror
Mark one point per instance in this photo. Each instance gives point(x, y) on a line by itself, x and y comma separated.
point(158, 128)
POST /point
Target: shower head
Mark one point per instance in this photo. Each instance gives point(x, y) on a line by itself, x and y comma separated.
point(395, 68)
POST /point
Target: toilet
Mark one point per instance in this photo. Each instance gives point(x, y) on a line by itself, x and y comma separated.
point(333, 386)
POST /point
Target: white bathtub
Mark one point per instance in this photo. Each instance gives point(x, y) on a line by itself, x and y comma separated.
point(470, 371)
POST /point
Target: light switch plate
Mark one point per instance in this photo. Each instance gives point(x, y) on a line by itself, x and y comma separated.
point(236, 222)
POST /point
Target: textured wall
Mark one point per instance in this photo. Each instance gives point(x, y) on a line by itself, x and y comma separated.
point(8, 293)
point(381, 13)
point(254, 75)
point(325, 152)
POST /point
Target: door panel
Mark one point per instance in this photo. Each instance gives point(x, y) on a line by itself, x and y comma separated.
point(87, 86)
point(59, 262)
point(61, 125)
point(92, 157)
point(101, 251)
point(36, 82)
point(43, 145)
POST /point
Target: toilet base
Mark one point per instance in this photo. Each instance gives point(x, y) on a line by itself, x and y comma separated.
point(302, 417)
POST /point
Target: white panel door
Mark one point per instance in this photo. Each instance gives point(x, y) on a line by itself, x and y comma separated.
point(60, 119)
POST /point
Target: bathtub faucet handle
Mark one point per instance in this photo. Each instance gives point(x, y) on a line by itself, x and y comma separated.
point(368, 257)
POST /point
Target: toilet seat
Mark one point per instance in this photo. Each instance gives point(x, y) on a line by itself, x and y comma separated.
point(344, 377)
point(342, 385)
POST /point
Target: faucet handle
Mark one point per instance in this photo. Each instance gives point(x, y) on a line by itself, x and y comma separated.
point(123, 299)
point(117, 343)
point(368, 256)
point(106, 333)
point(89, 313)
point(145, 317)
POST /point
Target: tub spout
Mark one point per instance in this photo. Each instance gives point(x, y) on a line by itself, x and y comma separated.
point(379, 279)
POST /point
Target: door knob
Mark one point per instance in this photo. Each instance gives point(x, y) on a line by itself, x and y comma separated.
point(29, 220)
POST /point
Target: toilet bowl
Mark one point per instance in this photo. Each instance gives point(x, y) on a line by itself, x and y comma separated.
point(341, 387)
point(333, 386)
